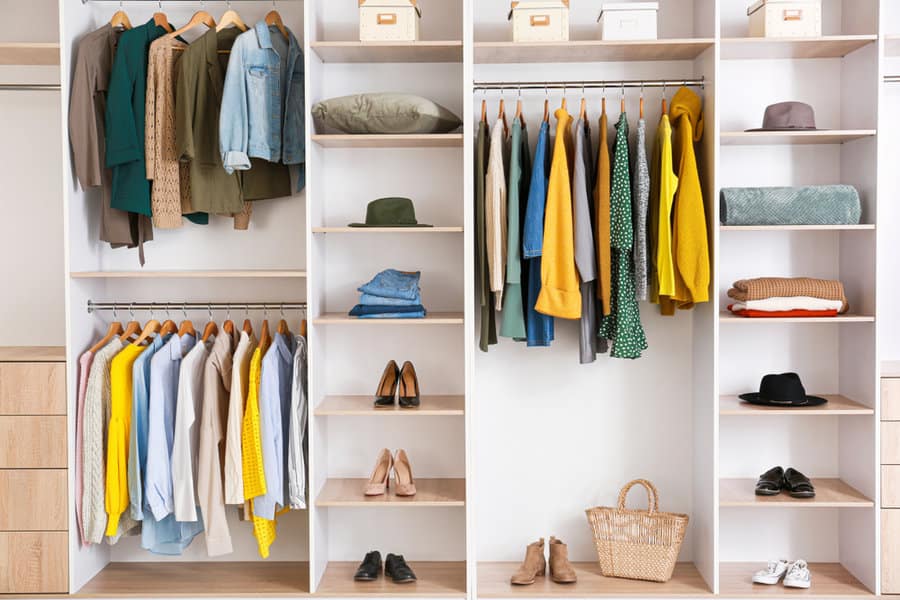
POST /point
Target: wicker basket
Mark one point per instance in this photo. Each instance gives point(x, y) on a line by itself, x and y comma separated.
point(637, 544)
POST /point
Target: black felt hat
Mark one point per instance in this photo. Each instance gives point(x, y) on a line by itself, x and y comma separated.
point(785, 389)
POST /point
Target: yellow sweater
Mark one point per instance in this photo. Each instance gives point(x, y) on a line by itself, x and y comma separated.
point(120, 381)
point(690, 245)
point(560, 295)
point(663, 184)
point(602, 223)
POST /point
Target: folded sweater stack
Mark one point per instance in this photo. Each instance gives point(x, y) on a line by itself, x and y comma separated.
point(788, 297)
point(391, 294)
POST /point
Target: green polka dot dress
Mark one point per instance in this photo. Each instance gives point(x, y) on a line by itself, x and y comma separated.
point(623, 324)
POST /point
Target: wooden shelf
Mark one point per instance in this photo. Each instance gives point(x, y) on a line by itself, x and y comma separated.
point(796, 227)
point(389, 52)
point(241, 274)
point(590, 51)
point(727, 317)
point(830, 493)
point(836, 406)
point(792, 138)
point(29, 54)
point(432, 318)
point(415, 140)
point(493, 582)
point(391, 230)
point(829, 580)
point(435, 580)
point(429, 493)
point(830, 46)
point(361, 406)
point(32, 354)
point(199, 580)
point(892, 45)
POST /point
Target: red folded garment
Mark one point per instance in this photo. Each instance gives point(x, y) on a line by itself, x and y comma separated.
point(781, 314)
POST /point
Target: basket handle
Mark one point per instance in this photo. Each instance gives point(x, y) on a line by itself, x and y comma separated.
point(652, 494)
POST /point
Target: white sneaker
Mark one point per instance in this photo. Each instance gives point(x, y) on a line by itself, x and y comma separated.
point(797, 575)
point(773, 572)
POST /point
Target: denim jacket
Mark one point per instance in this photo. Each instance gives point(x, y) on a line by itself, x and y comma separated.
point(262, 104)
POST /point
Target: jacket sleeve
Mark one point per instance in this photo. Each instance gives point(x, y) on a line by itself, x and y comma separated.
point(84, 132)
point(150, 133)
point(270, 436)
point(234, 116)
point(182, 463)
point(122, 143)
point(185, 105)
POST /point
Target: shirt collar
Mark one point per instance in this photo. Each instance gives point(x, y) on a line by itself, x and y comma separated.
point(285, 346)
point(263, 36)
point(181, 345)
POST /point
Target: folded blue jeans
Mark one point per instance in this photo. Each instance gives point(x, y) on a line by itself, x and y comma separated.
point(359, 310)
point(392, 283)
point(370, 300)
point(410, 315)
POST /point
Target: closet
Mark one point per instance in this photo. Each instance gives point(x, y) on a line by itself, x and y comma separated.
point(513, 444)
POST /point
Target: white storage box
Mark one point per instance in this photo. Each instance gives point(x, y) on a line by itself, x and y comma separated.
point(785, 18)
point(389, 20)
point(628, 20)
point(544, 21)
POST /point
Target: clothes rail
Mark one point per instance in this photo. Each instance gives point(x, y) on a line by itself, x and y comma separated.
point(612, 84)
point(892, 78)
point(180, 2)
point(185, 306)
point(29, 87)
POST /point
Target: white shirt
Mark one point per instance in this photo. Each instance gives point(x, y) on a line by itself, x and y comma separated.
point(186, 438)
point(240, 381)
point(297, 431)
point(495, 213)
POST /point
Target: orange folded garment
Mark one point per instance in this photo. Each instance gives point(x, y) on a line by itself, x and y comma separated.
point(781, 314)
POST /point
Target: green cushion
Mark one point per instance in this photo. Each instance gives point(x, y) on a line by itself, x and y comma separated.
point(384, 113)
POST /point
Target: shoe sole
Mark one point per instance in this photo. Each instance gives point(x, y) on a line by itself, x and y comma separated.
point(766, 581)
point(802, 585)
point(767, 492)
point(365, 578)
point(802, 494)
point(403, 580)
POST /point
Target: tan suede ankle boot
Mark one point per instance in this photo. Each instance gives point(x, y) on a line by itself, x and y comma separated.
point(534, 565)
point(561, 570)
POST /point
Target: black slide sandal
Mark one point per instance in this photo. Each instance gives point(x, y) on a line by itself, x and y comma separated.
point(771, 482)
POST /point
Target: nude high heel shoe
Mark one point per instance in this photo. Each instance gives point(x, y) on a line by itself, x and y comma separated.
point(403, 477)
point(561, 570)
point(534, 565)
point(378, 482)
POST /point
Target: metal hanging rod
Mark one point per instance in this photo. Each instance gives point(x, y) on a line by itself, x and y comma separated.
point(179, 2)
point(612, 84)
point(892, 78)
point(29, 87)
point(186, 306)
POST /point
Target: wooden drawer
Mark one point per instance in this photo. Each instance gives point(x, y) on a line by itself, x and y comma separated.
point(890, 551)
point(890, 443)
point(33, 500)
point(32, 388)
point(890, 399)
point(34, 562)
point(33, 442)
point(890, 486)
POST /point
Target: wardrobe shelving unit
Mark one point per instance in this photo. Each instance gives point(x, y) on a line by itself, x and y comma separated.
point(346, 432)
point(29, 53)
point(836, 444)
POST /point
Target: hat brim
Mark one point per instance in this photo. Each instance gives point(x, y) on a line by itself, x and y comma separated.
point(757, 399)
point(393, 225)
point(784, 129)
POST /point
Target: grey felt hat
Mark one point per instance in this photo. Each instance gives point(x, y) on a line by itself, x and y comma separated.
point(788, 116)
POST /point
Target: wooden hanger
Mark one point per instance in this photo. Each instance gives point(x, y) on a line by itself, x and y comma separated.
point(519, 114)
point(642, 106)
point(264, 338)
point(161, 20)
point(582, 114)
point(546, 110)
point(502, 116)
point(228, 327)
point(187, 327)
point(150, 329)
point(603, 106)
point(303, 328)
point(115, 330)
point(484, 110)
point(664, 111)
point(168, 326)
point(120, 19)
point(210, 330)
point(132, 329)
point(274, 18)
point(248, 327)
point(231, 19)
point(201, 17)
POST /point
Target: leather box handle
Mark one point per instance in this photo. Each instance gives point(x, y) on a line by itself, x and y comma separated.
point(795, 14)
point(540, 20)
point(387, 19)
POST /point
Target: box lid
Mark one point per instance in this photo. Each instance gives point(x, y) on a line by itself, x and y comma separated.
point(761, 3)
point(536, 4)
point(627, 6)
point(391, 4)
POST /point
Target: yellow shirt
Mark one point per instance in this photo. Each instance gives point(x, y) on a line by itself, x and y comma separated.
point(120, 378)
point(664, 184)
point(560, 293)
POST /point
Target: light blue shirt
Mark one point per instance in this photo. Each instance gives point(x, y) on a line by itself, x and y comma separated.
point(137, 443)
point(263, 112)
point(164, 367)
point(274, 416)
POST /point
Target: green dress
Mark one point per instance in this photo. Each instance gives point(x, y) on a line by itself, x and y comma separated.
point(623, 324)
point(513, 323)
point(486, 298)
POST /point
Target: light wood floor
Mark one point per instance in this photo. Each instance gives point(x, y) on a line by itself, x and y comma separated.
point(435, 580)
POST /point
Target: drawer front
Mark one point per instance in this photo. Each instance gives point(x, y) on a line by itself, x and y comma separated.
point(33, 500)
point(890, 443)
point(890, 551)
point(32, 389)
point(890, 486)
point(34, 563)
point(33, 442)
point(890, 399)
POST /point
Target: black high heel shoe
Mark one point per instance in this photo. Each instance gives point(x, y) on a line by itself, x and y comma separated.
point(409, 386)
point(387, 388)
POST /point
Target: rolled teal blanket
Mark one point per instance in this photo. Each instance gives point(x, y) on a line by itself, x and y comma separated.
point(807, 205)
